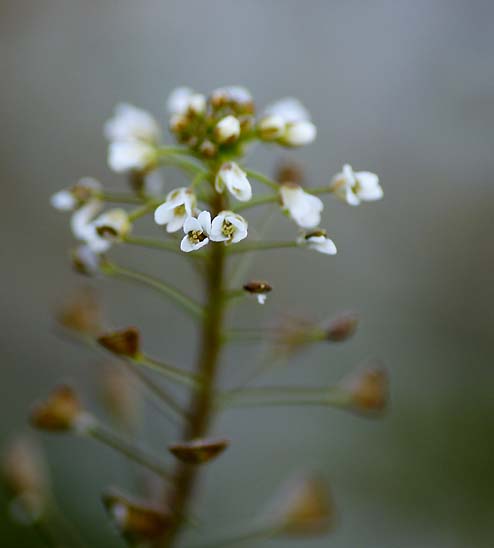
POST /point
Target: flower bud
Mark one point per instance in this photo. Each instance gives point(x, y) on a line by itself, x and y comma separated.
point(198, 451)
point(113, 224)
point(125, 342)
point(368, 389)
point(227, 129)
point(82, 312)
point(299, 134)
point(259, 289)
point(137, 521)
point(306, 510)
point(61, 411)
point(342, 327)
point(237, 98)
point(178, 123)
point(271, 127)
point(208, 149)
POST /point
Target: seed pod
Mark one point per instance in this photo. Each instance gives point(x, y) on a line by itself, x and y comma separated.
point(369, 389)
point(137, 521)
point(258, 288)
point(198, 451)
point(82, 312)
point(342, 327)
point(60, 412)
point(125, 342)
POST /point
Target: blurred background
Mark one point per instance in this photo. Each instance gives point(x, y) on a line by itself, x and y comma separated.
point(401, 88)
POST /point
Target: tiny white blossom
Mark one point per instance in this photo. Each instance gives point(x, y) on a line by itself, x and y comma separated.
point(232, 94)
point(130, 123)
point(354, 187)
point(113, 224)
point(298, 130)
point(130, 155)
point(305, 209)
point(228, 227)
point(197, 232)
point(271, 127)
point(318, 241)
point(86, 260)
point(63, 200)
point(235, 180)
point(227, 129)
point(183, 100)
point(180, 204)
point(83, 226)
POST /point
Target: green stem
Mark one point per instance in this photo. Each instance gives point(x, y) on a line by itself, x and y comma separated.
point(144, 209)
point(190, 306)
point(285, 395)
point(128, 449)
point(260, 200)
point(173, 373)
point(260, 246)
point(119, 198)
point(262, 179)
point(202, 402)
point(262, 533)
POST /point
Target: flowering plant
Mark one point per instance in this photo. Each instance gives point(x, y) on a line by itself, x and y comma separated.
point(213, 136)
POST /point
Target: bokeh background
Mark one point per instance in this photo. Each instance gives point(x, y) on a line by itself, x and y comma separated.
point(402, 88)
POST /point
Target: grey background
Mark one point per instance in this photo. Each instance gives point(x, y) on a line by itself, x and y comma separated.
point(405, 89)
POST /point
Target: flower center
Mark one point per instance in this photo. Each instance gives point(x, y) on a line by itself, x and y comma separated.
point(196, 236)
point(227, 229)
point(180, 210)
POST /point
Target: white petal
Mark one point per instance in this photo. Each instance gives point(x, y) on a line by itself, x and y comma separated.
point(368, 186)
point(300, 134)
point(290, 109)
point(261, 298)
point(186, 245)
point(322, 245)
point(216, 233)
point(129, 155)
point(204, 219)
point(178, 100)
point(175, 223)
point(227, 128)
point(81, 220)
point(192, 224)
point(130, 123)
point(163, 214)
point(63, 200)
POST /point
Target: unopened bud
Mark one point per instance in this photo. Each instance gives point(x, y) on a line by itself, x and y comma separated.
point(258, 288)
point(368, 389)
point(61, 411)
point(125, 342)
point(227, 129)
point(271, 127)
point(198, 451)
point(208, 149)
point(179, 123)
point(137, 521)
point(237, 98)
point(82, 312)
point(342, 327)
point(299, 134)
point(306, 509)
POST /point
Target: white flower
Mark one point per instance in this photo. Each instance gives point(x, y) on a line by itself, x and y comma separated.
point(63, 200)
point(354, 187)
point(238, 95)
point(271, 127)
point(228, 227)
point(183, 100)
point(130, 123)
point(302, 207)
point(227, 129)
point(298, 129)
point(318, 241)
point(130, 155)
point(197, 232)
point(180, 204)
point(235, 180)
point(113, 224)
point(83, 226)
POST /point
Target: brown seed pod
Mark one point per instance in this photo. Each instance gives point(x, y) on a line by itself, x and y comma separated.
point(59, 412)
point(342, 327)
point(198, 451)
point(369, 389)
point(124, 342)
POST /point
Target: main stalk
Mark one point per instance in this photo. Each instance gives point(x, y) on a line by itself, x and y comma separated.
point(201, 405)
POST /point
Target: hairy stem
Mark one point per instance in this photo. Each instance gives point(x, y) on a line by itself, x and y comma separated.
point(202, 402)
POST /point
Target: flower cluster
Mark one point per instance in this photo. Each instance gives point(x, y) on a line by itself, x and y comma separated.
point(214, 132)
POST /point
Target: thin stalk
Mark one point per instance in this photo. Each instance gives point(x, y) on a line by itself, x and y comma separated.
point(260, 200)
point(128, 449)
point(262, 533)
point(119, 198)
point(154, 243)
point(202, 402)
point(190, 306)
point(285, 396)
point(260, 246)
point(144, 210)
point(173, 373)
point(262, 179)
